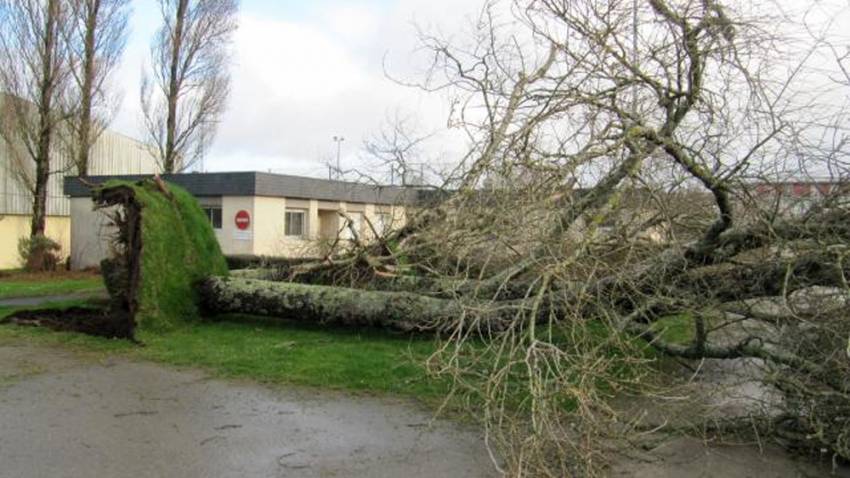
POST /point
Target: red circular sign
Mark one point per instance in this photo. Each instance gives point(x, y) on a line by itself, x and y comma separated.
point(243, 220)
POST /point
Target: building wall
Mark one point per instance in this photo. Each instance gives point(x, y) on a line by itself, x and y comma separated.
point(330, 222)
point(90, 234)
point(112, 154)
point(232, 239)
point(266, 235)
point(271, 239)
point(397, 216)
point(15, 227)
point(89, 230)
point(795, 198)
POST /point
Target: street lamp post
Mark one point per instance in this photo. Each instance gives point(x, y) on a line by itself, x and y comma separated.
point(338, 140)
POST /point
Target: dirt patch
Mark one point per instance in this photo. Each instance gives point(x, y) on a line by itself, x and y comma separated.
point(38, 301)
point(19, 363)
point(91, 321)
point(24, 276)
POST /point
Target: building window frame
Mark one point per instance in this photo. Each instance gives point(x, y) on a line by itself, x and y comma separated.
point(214, 215)
point(293, 228)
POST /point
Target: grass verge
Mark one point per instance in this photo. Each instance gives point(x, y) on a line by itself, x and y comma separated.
point(58, 283)
point(269, 352)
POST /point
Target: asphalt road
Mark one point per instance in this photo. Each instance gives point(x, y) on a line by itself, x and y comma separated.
point(71, 416)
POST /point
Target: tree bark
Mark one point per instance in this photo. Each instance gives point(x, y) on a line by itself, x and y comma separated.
point(47, 88)
point(403, 311)
point(169, 163)
point(87, 91)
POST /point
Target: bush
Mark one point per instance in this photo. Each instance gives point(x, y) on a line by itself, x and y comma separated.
point(39, 253)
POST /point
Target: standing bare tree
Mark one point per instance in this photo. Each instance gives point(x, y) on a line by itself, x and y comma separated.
point(96, 36)
point(186, 93)
point(397, 147)
point(34, 75)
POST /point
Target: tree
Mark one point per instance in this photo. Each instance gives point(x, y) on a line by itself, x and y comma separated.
point(613, 126)
point(621, 146)
point(96, 35)
point(34, 75)
point(624, 235)
point(396, 148)
point(187, 90)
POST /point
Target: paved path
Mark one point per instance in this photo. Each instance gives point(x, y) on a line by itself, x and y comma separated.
point(67, 415)
point(62, 415)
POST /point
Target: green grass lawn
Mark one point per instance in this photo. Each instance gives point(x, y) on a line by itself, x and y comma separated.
point(367, 360)
point(270, 352)
point(283, 353)
point(34, 286)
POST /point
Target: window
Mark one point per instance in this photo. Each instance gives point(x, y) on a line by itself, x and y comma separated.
point(213, 213)
point(295, 223)
point(211, 205)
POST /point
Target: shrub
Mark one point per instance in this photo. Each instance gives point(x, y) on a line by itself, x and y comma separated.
point(39, 253)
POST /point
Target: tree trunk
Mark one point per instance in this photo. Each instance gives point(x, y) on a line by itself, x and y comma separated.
point(47, 88)
point(39, 205)
point(87, 92)
point(170, 160)
point(334, 305)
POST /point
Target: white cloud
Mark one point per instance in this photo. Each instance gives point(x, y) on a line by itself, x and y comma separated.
point(299, 81)
point(352, 22)
point(288, 61)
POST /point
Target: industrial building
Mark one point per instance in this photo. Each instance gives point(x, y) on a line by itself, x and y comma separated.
point(256, 213)
point(112, 154)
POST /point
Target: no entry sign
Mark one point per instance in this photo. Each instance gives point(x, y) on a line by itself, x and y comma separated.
point(242, 220)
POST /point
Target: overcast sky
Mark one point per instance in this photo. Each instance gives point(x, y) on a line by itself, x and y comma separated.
point(303, 72)
point(307, 70)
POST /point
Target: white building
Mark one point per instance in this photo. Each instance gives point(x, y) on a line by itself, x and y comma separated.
point(255, 213)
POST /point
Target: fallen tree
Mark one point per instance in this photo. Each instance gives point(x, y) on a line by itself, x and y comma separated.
point(602, 200)
point(626, 176)
point(404, 311)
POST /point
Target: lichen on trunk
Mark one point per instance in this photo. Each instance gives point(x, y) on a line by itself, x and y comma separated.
point(403, 311)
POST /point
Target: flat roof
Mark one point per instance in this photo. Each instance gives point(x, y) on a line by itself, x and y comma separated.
point(263, 184)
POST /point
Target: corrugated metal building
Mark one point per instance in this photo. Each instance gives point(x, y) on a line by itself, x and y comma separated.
point(113, 154)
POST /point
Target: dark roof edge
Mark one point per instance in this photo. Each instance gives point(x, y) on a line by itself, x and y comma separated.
point(264, 184)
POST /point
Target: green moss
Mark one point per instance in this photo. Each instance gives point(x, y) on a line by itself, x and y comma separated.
point(678, 329)
point(179, 249)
